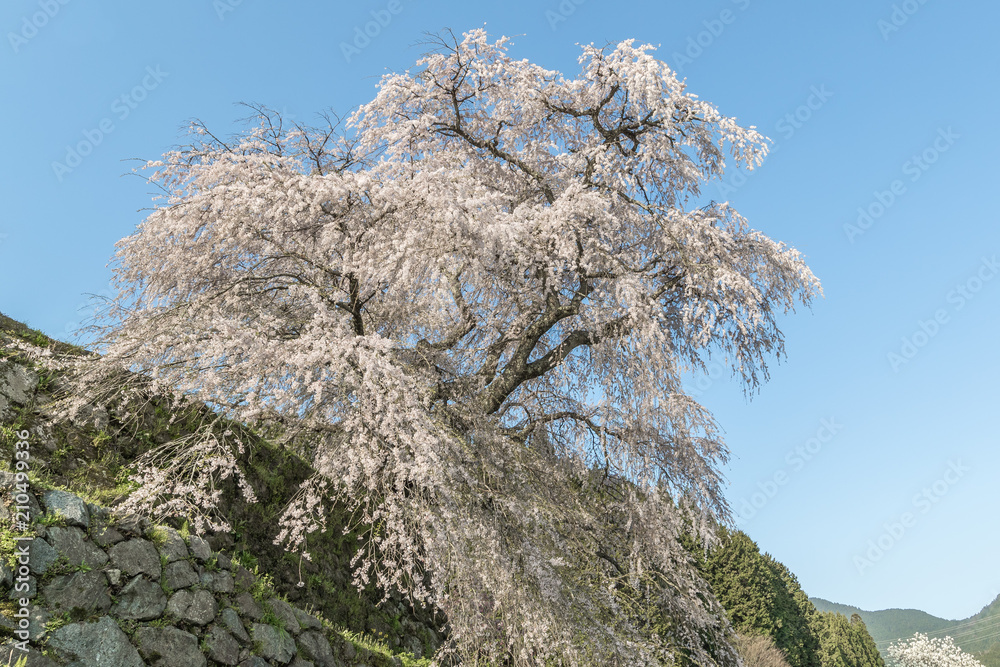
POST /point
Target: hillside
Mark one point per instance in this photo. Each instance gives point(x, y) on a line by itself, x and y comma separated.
point(85, 455)
point(234, 596)
point(979, 634)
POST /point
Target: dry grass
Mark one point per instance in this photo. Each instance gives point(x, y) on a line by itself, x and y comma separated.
point(759, 651)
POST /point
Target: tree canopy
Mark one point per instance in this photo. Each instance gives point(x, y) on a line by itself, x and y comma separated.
point(475, 298)
point(762, 598)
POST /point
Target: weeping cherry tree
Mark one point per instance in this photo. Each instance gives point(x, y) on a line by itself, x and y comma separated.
point(476, 297)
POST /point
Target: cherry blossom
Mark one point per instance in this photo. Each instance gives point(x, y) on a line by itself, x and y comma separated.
point(475, 297)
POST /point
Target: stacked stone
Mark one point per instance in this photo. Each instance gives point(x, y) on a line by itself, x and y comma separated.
point(136, 596)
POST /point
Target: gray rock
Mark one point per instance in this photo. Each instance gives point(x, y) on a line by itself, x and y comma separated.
point(136, 556)
point(220, 541)
point(140, 600)
point(316, 647)
point(37, 618)
point(307, 621)
point(198, 607)
point(173, 546)
point(218, 582)
point(414, 646)
point(67, 505)
point(244, 578)
point(35, 511)
point(98, 514)
point(17, 384)
point(283, 611)
point(248, 607)
point(180, 574)
point(114, 576)
point(32, 591)
point(301, 662)
point(10, 654)
point(254, 661)
point(134, 525)
point(169, 647)
point(348, 650)
point(275, 644)
point(224, 562)
point(41, 556)
point(200, 548)
point(90, 417)
point(42, 434)
point(221, 646)
point(231, 620)
point(98, 644)
point(6, 574)
point(81, 590)
point(106, 537)
point(72, 544)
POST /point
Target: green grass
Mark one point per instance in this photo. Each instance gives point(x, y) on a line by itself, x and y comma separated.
point(158, 536)
point(52, 519)
point(21, 662)
point(9, 543)
point(378, 647)
point(56, 621)
point(36, 337)
point(271, 618)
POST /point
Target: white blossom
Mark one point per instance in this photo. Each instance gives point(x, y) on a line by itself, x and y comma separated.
point(923, 651)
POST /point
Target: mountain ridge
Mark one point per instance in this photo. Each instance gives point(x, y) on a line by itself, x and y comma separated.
point(978, 634)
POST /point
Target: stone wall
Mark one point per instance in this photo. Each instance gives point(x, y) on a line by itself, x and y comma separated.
point(90, 590)
point(79, 586)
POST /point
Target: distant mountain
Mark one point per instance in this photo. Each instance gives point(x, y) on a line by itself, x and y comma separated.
point(978, 634)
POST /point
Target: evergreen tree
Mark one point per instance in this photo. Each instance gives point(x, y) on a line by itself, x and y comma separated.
point(845, 643)
point(763, 598)
point(744, 585)
point(795, 615)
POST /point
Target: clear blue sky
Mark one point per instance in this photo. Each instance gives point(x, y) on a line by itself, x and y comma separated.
point(910, 106)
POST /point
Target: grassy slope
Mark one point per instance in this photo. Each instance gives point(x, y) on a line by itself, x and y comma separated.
point(94, 464)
